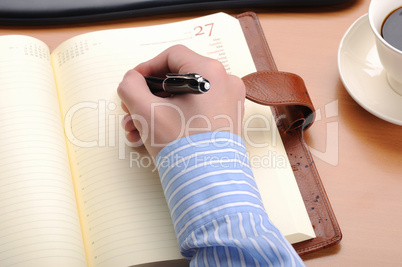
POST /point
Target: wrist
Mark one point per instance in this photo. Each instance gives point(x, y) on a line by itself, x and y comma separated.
point(198, 142)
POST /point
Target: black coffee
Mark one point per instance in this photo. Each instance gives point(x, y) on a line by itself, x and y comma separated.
point(392, 29)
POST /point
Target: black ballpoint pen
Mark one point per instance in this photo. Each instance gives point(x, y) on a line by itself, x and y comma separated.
point(191, 83)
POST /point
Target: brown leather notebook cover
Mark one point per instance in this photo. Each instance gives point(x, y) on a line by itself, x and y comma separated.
point(293, 111)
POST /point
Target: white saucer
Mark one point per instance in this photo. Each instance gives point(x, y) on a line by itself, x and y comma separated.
point(363, 75)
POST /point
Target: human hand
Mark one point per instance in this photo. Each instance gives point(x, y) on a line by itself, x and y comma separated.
point(158, 121)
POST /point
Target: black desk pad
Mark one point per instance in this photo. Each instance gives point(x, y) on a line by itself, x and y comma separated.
point(39, 12)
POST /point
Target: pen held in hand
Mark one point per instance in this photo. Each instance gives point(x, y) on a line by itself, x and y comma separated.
point(190, 83)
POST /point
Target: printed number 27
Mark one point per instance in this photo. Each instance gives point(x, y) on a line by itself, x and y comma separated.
point(202, 30)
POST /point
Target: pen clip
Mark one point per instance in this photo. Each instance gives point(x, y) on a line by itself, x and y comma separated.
point(193, 81)
point(186, 76)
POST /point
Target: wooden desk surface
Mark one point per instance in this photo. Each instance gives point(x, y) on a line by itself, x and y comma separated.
point(362, 167)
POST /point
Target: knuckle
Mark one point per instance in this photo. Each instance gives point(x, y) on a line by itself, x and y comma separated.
point(238, 83)
point(216, 66)
point(178, 47)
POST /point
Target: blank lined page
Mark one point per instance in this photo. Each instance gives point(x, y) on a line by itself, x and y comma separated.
point(124, 211)
point(39, 223)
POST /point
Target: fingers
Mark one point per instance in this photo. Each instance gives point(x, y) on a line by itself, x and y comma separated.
point(135, 138)
point(128, 124)
point(123, 106)
point(133, 134)
point(134, 92)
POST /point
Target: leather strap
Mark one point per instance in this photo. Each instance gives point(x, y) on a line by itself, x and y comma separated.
point(287, 92)
point(293, 111)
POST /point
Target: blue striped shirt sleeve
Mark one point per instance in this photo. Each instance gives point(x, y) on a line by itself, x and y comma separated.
point(215, 204)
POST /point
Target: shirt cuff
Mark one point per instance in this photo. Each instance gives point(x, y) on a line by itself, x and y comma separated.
point(205, 177)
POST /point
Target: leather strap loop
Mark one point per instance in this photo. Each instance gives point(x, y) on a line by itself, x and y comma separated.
point(292, 109)
point(287, 92)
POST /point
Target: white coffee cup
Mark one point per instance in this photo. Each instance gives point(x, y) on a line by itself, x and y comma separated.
point(390, 57)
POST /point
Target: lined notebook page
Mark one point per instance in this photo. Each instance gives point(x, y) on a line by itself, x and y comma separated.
point(39, 223)
point(124, 213)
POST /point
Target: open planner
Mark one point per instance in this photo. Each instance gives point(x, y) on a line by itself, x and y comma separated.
point(73, 192)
